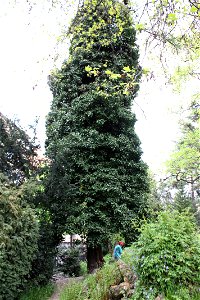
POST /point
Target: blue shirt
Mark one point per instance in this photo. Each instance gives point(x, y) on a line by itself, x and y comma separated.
point(117, 252)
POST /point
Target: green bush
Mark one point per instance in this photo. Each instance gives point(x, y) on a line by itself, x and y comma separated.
point(18, 240)
point(168, 253)
point(70, 262)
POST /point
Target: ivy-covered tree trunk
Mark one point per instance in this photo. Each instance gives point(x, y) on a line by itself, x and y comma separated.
point(97, 181)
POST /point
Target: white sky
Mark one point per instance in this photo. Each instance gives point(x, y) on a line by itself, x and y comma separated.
point(28, 45)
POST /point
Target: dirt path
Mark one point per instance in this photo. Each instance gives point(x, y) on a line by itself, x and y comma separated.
point(60, 284)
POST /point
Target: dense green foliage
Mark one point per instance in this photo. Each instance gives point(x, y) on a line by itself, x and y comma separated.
point(17, 151)
point(97, 181)
point(43, 263)
point(167, 254)
point(18, 239)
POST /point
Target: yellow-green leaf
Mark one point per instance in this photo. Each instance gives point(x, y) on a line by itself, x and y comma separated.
point(193, 9)
point(88, 68)
point(172, 17)
point(115, 76)
point(108, 72)
point(139, 27)
point(127, 69)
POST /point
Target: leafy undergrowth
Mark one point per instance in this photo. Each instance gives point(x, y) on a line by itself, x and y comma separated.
point(38, 293)
point(182, 294)
point(166, 258)
point(95, 286)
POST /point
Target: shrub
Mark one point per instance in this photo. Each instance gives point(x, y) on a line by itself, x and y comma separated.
point(168, 253)
point(18, 240)
point(70, 262)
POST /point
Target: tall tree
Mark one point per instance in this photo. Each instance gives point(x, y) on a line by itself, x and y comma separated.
point(97, 182)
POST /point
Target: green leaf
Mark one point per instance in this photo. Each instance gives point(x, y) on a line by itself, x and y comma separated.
point(139, 27)
point(88, 69)
point(127, 69)
point(193, 9)
point(108, 72)
point(115, 76)
point(171, 17)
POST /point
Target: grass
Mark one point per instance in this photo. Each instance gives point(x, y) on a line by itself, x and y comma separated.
point(83, 270)
point(74, 291)
point(38, 293)
point(94, 286)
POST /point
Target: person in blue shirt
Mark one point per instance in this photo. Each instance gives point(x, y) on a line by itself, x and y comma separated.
point(118, 250)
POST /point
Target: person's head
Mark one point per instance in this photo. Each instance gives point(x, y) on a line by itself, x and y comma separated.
point(122, 244)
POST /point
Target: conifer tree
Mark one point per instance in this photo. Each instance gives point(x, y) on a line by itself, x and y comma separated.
point(97, 182)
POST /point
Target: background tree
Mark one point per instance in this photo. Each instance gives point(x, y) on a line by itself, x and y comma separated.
point(183, 166)
point(97, 181)
point(17, 151)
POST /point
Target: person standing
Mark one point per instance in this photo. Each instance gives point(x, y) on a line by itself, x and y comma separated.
point(118, 250)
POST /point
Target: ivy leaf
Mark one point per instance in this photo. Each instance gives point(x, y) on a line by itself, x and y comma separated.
point(139, 27)
point(193, 9)
point(127, 69)
point(88, 69)
point(171, 17)
point(115, 76)
point(108, 72)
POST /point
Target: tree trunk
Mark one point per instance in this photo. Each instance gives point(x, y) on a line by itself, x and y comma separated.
point(71, 240)
point(94, 258)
